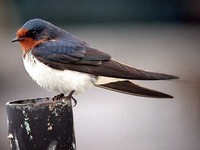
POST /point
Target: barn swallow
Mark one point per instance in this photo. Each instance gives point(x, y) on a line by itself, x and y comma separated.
point(60, 62)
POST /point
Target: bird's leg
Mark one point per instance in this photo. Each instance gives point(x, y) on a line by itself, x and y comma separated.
point(58, 97)
point(71, 97)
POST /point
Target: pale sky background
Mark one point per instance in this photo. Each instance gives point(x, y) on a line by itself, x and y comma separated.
point(109, 120)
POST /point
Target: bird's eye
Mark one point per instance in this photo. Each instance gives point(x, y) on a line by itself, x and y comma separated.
point(31, 33)
point(34, 32)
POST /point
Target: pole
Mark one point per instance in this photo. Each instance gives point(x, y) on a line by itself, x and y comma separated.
point(40, 124)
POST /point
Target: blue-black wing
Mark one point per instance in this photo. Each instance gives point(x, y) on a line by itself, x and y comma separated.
point(79, 57)
point(69, 53)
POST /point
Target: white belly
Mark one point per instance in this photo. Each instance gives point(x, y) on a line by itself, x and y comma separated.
point(56, 80)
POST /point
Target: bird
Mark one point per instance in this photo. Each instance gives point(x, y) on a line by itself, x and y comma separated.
point(60, 62)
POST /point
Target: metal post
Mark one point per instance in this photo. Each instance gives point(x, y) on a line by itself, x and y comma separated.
point(40, 124)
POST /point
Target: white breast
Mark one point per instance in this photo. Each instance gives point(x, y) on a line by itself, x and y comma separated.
point(56, 80)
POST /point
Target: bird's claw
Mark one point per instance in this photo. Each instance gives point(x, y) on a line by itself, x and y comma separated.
point(70, 97)
point(58, 97)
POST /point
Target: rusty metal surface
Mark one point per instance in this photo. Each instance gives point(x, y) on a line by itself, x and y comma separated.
point(40, 124)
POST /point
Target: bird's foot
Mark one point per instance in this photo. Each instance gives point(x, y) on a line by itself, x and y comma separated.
point(62, 96)
point(70, 97)
point(58, 97)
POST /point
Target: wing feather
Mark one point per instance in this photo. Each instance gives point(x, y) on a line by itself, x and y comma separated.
point(55, 52)
point(91, 61)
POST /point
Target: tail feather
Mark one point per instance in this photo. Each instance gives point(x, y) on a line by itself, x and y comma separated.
point(128, 87)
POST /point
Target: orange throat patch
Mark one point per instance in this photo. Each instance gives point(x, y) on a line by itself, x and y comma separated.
point(28, 43)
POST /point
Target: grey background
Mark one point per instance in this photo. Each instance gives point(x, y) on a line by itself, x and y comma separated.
point(109, 120)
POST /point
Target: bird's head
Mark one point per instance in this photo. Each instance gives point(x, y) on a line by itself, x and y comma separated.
point(34, 32)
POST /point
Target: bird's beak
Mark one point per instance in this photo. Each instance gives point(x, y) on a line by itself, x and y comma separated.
point(17, 39)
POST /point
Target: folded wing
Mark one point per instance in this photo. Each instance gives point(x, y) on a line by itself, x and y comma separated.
point(91, 61)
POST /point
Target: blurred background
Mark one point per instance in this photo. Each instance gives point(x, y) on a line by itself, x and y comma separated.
point(153, 35)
